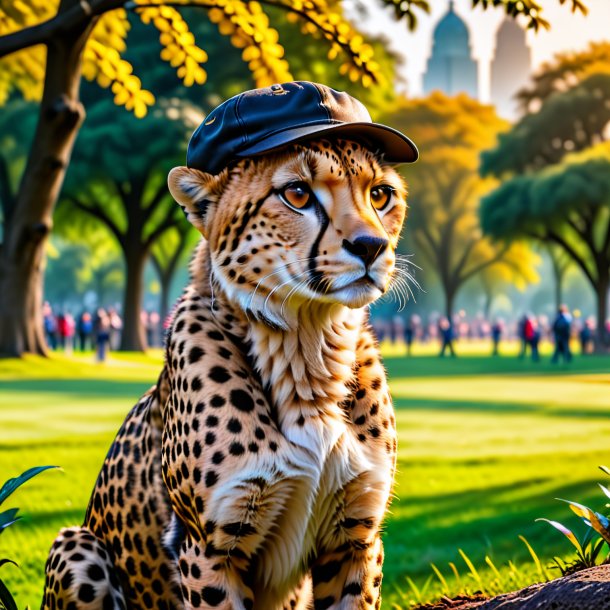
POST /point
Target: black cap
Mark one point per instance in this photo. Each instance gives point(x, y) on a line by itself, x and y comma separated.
point(261, 120)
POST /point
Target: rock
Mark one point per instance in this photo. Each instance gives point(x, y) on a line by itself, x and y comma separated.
point(585, 590)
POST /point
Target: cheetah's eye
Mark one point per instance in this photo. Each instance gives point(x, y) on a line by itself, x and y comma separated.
point(297, 195)
point(380, 196)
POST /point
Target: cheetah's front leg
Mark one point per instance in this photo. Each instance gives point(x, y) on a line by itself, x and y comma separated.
point(349, 579)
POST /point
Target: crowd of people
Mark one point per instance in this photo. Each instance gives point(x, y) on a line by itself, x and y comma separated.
point(529, 330)
point(99, 331)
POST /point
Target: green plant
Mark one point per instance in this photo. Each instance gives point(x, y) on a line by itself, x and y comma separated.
point(474, 583)
point(589, 547)
point(7, 518)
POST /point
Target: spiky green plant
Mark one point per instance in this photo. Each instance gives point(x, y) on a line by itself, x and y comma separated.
point(7, 518)
point(597, 537)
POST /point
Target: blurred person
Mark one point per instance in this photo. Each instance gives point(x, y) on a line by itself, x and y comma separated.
point(586, 337)
point(68, 329)
point(397, 329)
point(409, 334)
point(102, 331)
point(85, 331)
point(521, 334)
point(561, 331)
point(61, 330)
point(154, 320)
point(496, 335)
point(446, 334)
point(116, 326)
point(144, 325)
point(50, 325)
point(534, 340)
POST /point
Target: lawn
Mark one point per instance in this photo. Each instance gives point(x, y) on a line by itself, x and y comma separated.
point(486, 445)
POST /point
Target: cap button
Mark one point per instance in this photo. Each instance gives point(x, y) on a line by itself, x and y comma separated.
point(278, 90)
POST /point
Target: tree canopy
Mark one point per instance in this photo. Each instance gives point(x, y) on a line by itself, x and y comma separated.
point(445, 188)
point(567, 121)
point(567, 204)
point(118, 176)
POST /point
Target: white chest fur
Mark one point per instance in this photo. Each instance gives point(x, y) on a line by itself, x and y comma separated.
point(308, 372)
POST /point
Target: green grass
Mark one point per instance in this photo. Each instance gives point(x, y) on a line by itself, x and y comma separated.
point(485, 447)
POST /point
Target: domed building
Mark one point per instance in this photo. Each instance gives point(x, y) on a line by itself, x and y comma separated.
point(451, 68)
point(510, 68)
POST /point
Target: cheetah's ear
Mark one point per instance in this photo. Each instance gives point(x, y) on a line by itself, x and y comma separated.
point(195, 192)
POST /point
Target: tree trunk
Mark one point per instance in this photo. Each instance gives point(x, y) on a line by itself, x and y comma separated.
point(166, 282)
point(601, 342)
point(26, 232)
point(133, 338)
point(449, 302)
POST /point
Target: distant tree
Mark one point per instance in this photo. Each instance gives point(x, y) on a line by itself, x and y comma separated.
point(445, 188)
point(561, 263)
point(567, 205)
point(118, 176)
point(558, 143)
point(516, 269)
point(168, 253)
point(568, 121)
point(563, 72)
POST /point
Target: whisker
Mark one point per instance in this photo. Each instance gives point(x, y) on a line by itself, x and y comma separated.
point(293, 290)
point(282, 268)
point(292, 279)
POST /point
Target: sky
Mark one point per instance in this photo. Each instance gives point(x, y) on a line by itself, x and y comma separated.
point(568, 32)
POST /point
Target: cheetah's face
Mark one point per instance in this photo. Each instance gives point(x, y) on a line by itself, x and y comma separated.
point(316, 222)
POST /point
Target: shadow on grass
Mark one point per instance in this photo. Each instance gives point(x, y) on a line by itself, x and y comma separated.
point(487, 522)
point(81, 387)
point(472, 406)
point(433, 366)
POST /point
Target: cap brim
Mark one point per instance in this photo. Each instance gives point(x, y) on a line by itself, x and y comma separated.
point(395, 146)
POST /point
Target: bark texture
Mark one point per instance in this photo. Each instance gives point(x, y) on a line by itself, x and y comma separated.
point(28, 226)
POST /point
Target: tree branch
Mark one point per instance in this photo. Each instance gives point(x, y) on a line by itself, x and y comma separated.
point(575, 256)
point(167, 223)
point(484, 264)
point(98, 212)
point(156, 199)
point(76, 17)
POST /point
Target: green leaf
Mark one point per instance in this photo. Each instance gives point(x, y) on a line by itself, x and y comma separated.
point(565, 531)
point(8, 517)
point(12, 484)
point(6, 599)
point(5, 561)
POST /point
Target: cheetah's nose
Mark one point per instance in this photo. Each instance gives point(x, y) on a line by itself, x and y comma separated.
point(366, 247)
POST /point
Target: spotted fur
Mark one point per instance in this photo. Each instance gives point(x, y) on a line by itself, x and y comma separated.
point(257, 472)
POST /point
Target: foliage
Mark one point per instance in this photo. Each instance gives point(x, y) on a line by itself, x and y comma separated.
point(567, 204)
point(245, 23)
point(566, 70)
point(8, 518)
point(596, 538)
point(17, 122)
point(119, 168)
point(569, 121)
point(445, 189)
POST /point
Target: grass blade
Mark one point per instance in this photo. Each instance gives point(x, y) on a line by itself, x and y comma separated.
point(439, 575)
point(471, 567)
point(539, 567)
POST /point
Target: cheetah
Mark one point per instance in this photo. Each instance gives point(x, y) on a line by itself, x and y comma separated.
point(256, 473)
